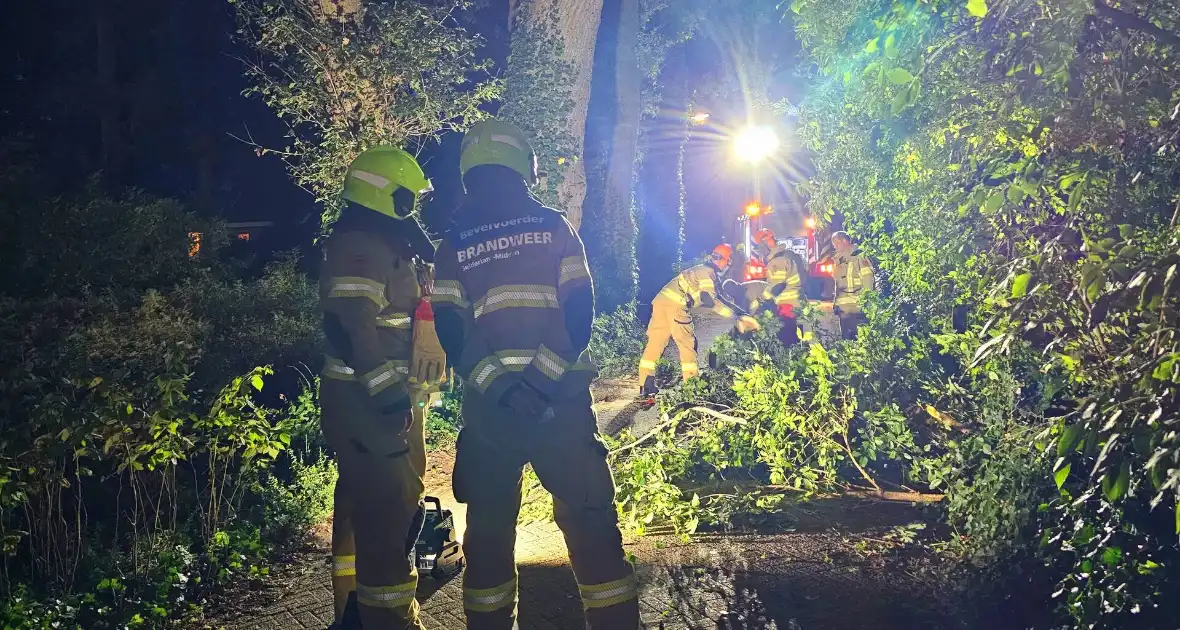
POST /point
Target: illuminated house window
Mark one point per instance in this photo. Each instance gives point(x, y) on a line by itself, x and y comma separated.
point(243, 236)
point(194, 243)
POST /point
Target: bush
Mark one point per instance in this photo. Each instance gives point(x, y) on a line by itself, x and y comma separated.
point(134, 467)
point(617, 341)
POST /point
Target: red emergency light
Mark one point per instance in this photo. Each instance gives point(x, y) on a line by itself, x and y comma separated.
point(755, 271)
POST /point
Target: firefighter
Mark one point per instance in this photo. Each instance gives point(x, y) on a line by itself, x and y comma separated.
point(784, 285)
point(695, 286)
point(514, 306)
point(853, 274)
point(373, 415)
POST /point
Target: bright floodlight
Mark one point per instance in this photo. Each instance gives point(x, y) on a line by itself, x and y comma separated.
point(755, 144)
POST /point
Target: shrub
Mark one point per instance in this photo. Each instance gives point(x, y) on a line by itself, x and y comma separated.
point(617, 341)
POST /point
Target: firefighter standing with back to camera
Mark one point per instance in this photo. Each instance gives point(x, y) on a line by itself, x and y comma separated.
point(514, 305)
point(784, 286)
point(670, 319)
point(372, 395)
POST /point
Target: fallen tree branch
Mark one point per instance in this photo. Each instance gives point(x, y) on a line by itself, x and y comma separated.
point(890, 495)
point(674, 419)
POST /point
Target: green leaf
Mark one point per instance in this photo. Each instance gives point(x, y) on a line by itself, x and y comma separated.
point(899, 76)
point(1178, 517)
point(993, 203)
point(256, 381)
point(1111, 556)
point(1114, 488)
point(899, 102)
point(891, 46)
point(871, 47)
point(1020, 285)
point(977, 8)
point(1071, 436)
point(872, 69)
point(1061, 475)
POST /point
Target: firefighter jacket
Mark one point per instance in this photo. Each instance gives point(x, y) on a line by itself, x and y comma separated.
point(784, 283)
point(508, 268)
point(752, 292)
point(368, 293)
point(697, 286)
point(853, 274)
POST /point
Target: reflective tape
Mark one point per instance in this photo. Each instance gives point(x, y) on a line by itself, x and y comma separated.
point(385, 375)
point(355, 286)
point(689, 369)
point(387, 596)
point(448, 292)
point(343, 566)
point(674, 295)
point(490, 599)
point(336, 369)
point(572, 268)
point(550, 364)
point(644, 364)
point(609, 593)
point(516, 296)
point(395, 320)
point(370, 178)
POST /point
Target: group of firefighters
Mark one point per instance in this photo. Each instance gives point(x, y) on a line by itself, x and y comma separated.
point(781, 293)
point(506, 301)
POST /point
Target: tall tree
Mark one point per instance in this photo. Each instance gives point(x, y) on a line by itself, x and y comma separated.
point(345, 75)
point(548, 89)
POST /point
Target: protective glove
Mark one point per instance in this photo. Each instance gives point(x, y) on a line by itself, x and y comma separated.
point(786, 311)
point(428, 361)
point(746, 324)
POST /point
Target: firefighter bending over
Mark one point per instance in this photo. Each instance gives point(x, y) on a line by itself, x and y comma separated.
point(784, 284)
point(514, 306)
point(695, 286)
point(372, 417)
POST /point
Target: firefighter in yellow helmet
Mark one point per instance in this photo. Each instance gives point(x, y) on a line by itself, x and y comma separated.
point(670, 319)
point(373, 410)
point(514, 306)
point(784, 284)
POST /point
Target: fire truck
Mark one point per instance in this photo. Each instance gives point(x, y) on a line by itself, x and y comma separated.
point(794, 228)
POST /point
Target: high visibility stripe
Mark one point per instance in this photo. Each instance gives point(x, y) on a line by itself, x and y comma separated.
point(690, 368)
point(395, 320)
point(354, 286)
point(387, 596)
point(644, 364)
point(723, 310)
point(545, 360)
point(336, 369)
point(449, 292)
point(673, 295)
point(609, 594)
point(385, 375)
point(343, 566)
point(516, 296)
point(490, 599)
point(572, 268)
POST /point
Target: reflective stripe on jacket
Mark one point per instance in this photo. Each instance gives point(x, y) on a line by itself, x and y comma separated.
point(783, 282)
point(509, 273)
point(368, 293)
point(690, 287)
point(852, 274)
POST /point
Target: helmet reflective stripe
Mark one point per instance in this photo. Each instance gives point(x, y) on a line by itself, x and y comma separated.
point(509, 140)
point(371, 178)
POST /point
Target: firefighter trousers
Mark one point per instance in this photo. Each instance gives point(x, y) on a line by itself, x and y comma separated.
point(377, 511)
point(669, 321)
point(570, 461)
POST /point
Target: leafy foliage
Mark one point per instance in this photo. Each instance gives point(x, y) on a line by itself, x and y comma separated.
point(1013, 167)
point(367, 73)
point(616, 342)
point(132, 470)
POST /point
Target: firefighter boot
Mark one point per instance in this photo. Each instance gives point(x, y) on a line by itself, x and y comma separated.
point(648, 388)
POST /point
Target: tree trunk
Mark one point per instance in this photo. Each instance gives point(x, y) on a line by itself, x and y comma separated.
point(618, 212)
point(576, 23)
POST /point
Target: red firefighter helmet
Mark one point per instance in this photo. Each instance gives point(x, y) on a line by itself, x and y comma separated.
point(765, 237)
point(722, 254)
